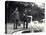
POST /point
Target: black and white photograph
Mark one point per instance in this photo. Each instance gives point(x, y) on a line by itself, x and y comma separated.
point(23, 18)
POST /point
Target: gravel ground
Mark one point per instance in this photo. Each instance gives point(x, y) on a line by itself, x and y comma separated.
point(10, 29)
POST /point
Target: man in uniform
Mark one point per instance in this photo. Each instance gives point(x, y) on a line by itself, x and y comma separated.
point(16, 18)
point(25, 20)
